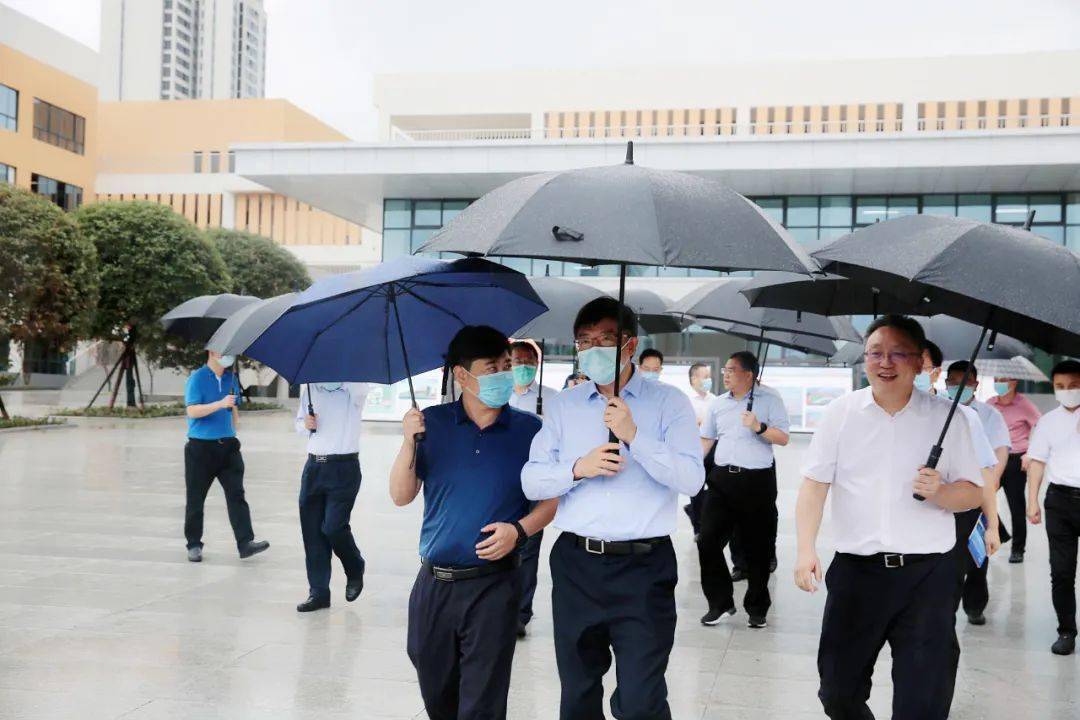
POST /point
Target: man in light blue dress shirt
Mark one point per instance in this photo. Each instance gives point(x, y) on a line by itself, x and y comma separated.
point(613, 568)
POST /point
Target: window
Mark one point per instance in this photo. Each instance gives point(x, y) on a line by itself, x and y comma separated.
point(869, 210)
point(973, 207)
point(772, 207)
point(63, 194)
point(428, 213)
point(939, 204)
point(7, 174)
point(836, 211)
point(802, 211)
point(215, 161)
point(198, 161)
point(59, 127)
point(9, 108)
point(232, 166)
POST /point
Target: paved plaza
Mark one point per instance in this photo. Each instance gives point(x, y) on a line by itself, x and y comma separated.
point(101, 615)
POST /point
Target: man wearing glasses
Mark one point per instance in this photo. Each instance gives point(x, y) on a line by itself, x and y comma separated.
point(893, 578)
point(613, 568)
point(742, 489)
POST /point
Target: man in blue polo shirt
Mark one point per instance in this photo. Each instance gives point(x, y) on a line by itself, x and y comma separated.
point(463, 611)
point(212, 451)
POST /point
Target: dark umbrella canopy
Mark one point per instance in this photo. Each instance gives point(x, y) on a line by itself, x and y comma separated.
point(197, 319)
point(653, 312)
point(391, 321)
point(245, 325)
point(824, 294)
point(956, 338)
point(809, 344)
point(563, 299)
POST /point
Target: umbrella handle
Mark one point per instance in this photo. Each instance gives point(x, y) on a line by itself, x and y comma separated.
point(310, 407)
point(540, 387)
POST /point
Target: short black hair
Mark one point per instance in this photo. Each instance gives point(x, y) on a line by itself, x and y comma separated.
point(962, 366)
point(937, 358)
point(747, 360)
point(904, 324)
point(473, 342)
point(1066, 367)
point(651, 352)
point(522, 345)
point(695, 367)
point(606, 308)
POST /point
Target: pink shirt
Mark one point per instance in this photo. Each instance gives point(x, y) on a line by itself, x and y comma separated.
point(1021, 415)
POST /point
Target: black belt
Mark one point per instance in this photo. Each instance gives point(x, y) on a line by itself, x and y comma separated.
point(735, 469)
point(453, 574)
point(617, 547)
point(1067, 490)
point(218, 441)
point(346, 457)
point(892, 560)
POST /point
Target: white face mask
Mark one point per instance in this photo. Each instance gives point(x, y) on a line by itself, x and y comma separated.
point(1068, 398)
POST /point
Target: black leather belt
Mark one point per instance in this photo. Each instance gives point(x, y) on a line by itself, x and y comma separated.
point(1066, 490)
point(596, 546)
point(735, 469)
point(453, 574)
point(333, 458)
point(893, 560)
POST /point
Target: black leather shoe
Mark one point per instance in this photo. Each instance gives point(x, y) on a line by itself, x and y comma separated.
point(194, 554)
point(253, 548)
point(757, 621)
point(737, 575)
point(521, 631)
point(1064, 646)
point(715, 615)
point(976, 619)
point(312, 604)
point(1016, 557)
point(353, 588)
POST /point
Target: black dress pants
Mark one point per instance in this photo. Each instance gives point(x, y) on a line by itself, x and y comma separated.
point(972, 590)
point(743, 503)
point(1063, 531)
point(909, 607)
point(205, 460)
point(606, 603)
point(461, 641)
point(1014, 483)
point(327, 494)
point(530, 565)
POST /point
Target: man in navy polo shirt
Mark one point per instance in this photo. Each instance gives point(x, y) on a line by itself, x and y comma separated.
point(212, 451)
point(463, 611)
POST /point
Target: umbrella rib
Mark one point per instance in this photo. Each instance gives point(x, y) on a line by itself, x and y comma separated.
point(436, 307)
point(326, 327)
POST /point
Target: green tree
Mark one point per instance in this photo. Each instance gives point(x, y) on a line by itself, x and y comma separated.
point(48, 273)
point(259, 266)
point(151, 260)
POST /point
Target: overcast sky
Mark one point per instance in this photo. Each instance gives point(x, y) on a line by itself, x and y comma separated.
point(322, 53)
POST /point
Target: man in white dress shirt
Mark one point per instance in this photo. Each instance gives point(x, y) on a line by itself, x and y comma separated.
point(893, 577)
point(330, 414)
point(524, 361)
point(1055, 454)
point(701, 397)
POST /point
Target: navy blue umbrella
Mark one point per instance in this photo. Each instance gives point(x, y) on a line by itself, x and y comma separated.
point(391, 321)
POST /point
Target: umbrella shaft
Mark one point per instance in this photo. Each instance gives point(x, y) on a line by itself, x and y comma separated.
point(618, 340)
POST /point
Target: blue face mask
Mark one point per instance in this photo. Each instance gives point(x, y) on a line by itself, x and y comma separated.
point(495, 389)
point(598, 363)
point(965, 396)
point(650, 374)
point(329, 387)
point(706, 384)
point(226, 360)
point(922, 381)
point(1001, 388)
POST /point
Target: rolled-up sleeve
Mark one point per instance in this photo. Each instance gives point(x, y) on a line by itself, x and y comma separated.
point(819, 464)
point(547, 475)
point(674, 459)
point(298, 421)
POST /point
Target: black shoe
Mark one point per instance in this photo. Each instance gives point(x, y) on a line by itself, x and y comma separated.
point(353, 588)
point(521, 631)
point(254, 547)
point(714, 616)
point(194, 554)
point(737, 575)
point(976, 619)
point(1064, 646)
point(772, 566)
point(1016, 557)
point(757, 621)
point(312, 604)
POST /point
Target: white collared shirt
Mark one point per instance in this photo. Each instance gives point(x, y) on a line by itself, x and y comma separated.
point(737, 444)
point(701, 404)
point(339, 415)
point(871, 459)
point(984, 451)
point(527, 400)
point(1056, 442)
point(993, 422)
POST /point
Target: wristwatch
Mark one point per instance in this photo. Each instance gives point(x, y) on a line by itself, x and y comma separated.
point(522, 535)
point(764, 427)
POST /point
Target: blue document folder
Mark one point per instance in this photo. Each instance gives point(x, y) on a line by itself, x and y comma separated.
point(977, 542)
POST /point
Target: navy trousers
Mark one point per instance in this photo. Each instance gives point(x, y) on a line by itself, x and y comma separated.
point(327, 493)
point(606, 603)
point(530, 565)
point(461, 641)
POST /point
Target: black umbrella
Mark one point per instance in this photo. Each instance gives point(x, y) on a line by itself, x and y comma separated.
point(809, 344)
point(824, 294)
point(956, 338)
point(197, 319)
point(245, 325)
point(653, 312)
point(623, 215)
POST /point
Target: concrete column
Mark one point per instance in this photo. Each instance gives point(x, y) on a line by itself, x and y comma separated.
point(537, 125)
point(228, 211)
point(909, 113)
point(742, 119)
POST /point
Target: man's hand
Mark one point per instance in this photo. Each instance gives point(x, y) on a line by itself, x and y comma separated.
point(228, 402)
point(620, 420)
point(503, 539)
point(993, 541)
point(749, 420)
point(927, 482)
point(310, 422)
point(1024, 462)
point(603, 461)
point(808, 572)
point(413, 423)
point(1034, 513)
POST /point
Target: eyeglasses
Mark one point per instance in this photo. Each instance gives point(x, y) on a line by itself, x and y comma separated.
point(731, 370)
point(896, 356)
point(605, 340)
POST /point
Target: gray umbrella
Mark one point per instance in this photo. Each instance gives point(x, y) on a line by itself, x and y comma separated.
point(243, 327)
point(653, 312)
point(825, 294)
point(809, 344)
point(563, 299)
point(197, 319)
point(956, 338)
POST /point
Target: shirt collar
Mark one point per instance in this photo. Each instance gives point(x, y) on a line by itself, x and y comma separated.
point(461, 417)
point(632, 386)
point(917, 399)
